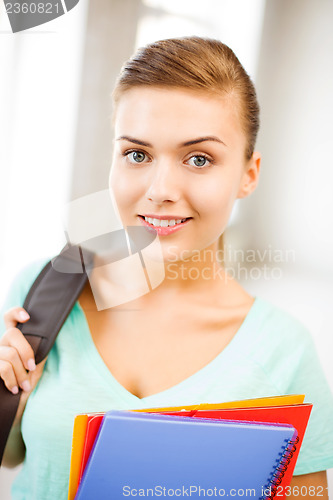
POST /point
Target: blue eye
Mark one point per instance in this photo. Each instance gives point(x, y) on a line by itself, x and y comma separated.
point(136, 156)
point(199, 161)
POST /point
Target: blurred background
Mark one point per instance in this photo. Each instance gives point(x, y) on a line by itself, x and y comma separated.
point(55, 88)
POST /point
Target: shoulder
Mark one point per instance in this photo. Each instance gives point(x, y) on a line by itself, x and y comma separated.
point(280, 344)
point(272, 324)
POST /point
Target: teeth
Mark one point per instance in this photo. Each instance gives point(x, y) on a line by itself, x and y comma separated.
point(163, 222)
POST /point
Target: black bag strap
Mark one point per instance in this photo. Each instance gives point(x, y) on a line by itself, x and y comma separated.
point(48, 302)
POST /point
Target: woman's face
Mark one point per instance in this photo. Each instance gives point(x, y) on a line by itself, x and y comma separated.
point(179, 154)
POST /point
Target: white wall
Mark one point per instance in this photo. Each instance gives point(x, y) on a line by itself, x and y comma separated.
point(39, 92)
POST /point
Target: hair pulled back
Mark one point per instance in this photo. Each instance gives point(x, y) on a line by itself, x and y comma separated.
point(195, 63)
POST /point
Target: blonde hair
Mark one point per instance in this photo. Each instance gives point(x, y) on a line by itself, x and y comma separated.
point(194, 63)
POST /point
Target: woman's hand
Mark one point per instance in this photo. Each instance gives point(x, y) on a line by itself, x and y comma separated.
point(308, 486)
point(17, 361)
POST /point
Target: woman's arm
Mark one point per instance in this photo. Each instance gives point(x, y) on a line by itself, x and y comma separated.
point(308, 486)
point(17, 369)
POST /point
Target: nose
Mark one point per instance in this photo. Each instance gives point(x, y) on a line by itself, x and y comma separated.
point(164, 183)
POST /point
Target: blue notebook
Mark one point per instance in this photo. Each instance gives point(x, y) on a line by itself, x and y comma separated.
point(153, 455)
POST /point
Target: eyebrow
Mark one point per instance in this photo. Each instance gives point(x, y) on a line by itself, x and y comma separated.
point(202, 139)
point(182, 145)
point(136, 141)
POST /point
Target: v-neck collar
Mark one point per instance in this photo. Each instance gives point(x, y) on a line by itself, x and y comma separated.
point(235, 346)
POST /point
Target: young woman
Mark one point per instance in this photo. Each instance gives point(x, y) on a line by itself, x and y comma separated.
point(186, 120)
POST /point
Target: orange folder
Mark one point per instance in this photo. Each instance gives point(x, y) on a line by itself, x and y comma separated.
point(79, 435)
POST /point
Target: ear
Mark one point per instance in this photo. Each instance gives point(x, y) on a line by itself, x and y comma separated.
point(250, 176)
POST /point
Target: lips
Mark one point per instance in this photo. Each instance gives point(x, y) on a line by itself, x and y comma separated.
point(161, 224)
point(164, 217)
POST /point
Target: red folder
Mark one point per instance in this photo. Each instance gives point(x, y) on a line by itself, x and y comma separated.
point(296, 415)
point(93, 424)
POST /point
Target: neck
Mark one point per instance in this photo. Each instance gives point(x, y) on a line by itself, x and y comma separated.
point(200, 275)
point(200, 271)
point(198, 279)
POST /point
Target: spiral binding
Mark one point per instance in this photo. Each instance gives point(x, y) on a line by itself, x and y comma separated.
point(279, 472)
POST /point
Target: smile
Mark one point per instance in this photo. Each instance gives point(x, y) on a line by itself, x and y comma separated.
point(164, 226)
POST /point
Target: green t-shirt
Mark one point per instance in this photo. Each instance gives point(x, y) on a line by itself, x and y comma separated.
point(271, 354)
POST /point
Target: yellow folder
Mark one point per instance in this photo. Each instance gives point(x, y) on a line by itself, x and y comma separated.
point(243, 403)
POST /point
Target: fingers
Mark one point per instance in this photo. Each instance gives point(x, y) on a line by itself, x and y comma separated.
point(16, 357)
point(17, 360)
point(33, 378)
point(13, 376)
point(14, 316)
point(14, 338)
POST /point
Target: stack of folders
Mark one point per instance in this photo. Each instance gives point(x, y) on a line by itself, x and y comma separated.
point(240, 448)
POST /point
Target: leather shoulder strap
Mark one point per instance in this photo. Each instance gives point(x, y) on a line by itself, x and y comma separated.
point(48, 302)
